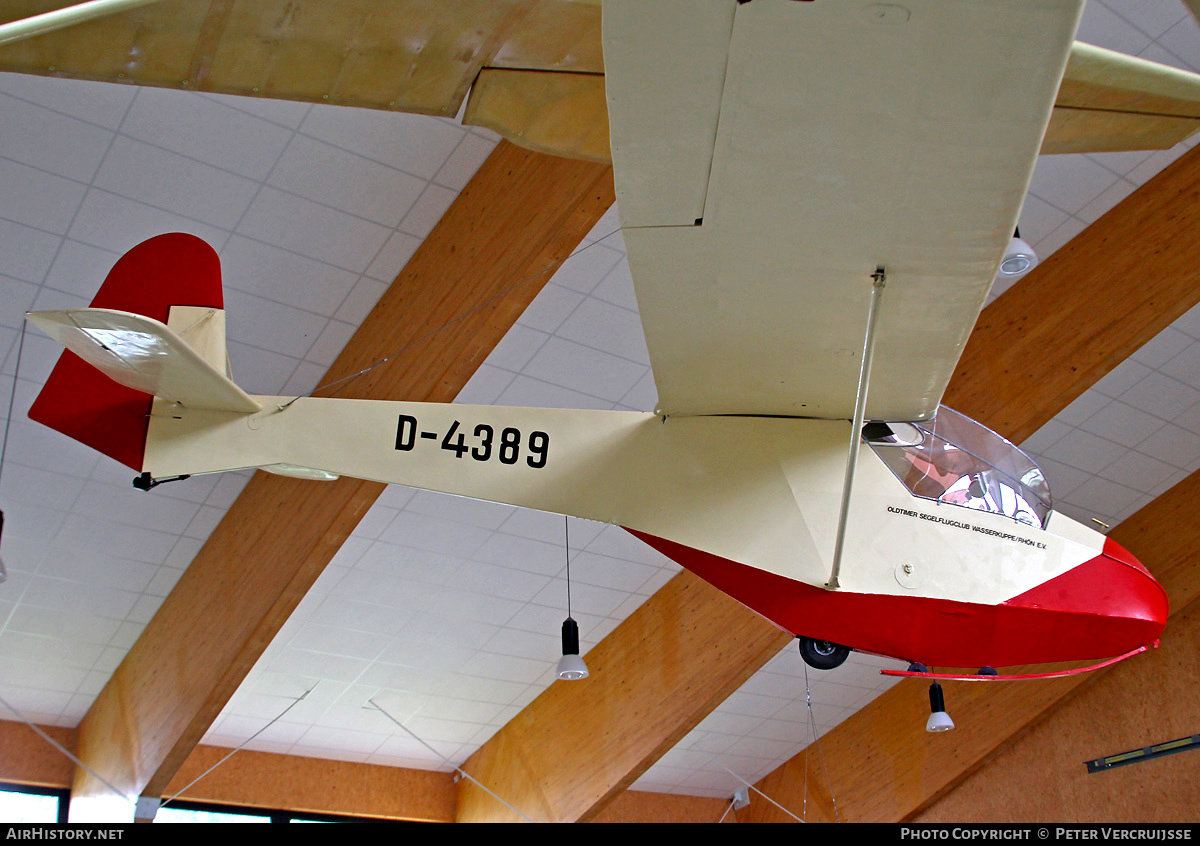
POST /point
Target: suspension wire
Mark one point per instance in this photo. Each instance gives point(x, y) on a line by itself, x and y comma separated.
point(12, 397)
point(759, 792)
point(820, 752)
point(63, 750)
point(184, 789)
point(727, 810)
point(813, 731)
point(712, 756)
point(446, 761)
point(475, 309)
point(567, 535)
point(804, 809)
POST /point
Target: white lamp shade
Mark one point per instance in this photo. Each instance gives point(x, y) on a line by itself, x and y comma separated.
point(939, 721)
point(1019, 258)
point(571, 668)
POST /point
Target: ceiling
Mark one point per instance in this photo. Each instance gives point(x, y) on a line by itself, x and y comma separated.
point(443, 611)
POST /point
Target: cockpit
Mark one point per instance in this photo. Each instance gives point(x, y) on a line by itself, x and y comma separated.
point(953, 459)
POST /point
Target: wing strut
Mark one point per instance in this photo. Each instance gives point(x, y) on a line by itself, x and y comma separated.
point(860, 408)
point(64, 17)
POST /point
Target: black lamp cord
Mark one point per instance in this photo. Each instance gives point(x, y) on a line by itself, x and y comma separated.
point(567, 535)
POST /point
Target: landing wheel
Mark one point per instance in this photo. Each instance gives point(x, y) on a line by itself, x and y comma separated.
point(821, 654)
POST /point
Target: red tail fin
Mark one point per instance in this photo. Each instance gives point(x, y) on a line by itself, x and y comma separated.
point(80, 401)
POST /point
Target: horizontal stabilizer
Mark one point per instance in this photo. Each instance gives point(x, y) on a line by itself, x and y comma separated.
point(144, 354)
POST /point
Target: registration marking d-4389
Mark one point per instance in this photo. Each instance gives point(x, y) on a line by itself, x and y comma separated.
point(484, 444)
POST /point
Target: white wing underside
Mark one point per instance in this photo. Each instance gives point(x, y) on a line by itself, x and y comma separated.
point(785, 151)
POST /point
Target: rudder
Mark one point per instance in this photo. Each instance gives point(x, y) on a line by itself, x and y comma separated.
point(81, 402)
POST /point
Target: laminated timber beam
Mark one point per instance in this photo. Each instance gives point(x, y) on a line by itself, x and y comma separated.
point(1086, 308)
point(313, 785)
point(252, 779)
point(1042, 775)
point(1038, 347)
point(577, 747)
point(519, 218)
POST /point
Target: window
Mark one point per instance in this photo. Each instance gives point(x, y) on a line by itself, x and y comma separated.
point(23, 804)
point(204, 812)
point(176, 814)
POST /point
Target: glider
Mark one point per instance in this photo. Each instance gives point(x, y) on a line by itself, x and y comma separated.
point(815, 198)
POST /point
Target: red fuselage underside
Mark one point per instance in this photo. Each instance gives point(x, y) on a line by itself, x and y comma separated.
point(1104, 607)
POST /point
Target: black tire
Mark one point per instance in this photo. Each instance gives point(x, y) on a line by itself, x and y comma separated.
point(822, 654)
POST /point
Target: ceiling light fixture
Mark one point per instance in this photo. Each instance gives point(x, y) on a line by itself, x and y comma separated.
point(1018, 258)
point(938, 720)
point(570, 666)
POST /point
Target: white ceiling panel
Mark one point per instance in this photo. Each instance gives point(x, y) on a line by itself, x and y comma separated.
point(443, 611)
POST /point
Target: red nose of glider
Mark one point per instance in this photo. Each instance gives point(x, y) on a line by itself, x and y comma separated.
point(1145, 600)
point(1112, 603)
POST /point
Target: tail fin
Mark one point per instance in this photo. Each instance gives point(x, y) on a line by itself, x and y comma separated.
point(85, 404)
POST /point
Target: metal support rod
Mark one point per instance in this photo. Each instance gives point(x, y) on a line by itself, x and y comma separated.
point(67, 16)
point(860, 410)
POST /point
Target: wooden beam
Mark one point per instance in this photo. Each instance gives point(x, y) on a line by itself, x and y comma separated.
point(639, 806)
point(26, 758)
point(1034, 350)
point(519, 218)
point(315, 786)
point(252, 779)
point(1086, 308)
point(1042, 777)
point(581, 744)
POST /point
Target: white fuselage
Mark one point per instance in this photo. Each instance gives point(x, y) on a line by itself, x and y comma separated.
point(761, 491)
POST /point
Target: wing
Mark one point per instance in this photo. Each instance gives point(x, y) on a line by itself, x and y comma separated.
point(912, 125)
point(533, 68)
point(401, 55)
point(1110, 102)
point(769, 156)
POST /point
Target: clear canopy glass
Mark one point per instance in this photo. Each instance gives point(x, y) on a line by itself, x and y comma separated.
point(953, 459)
